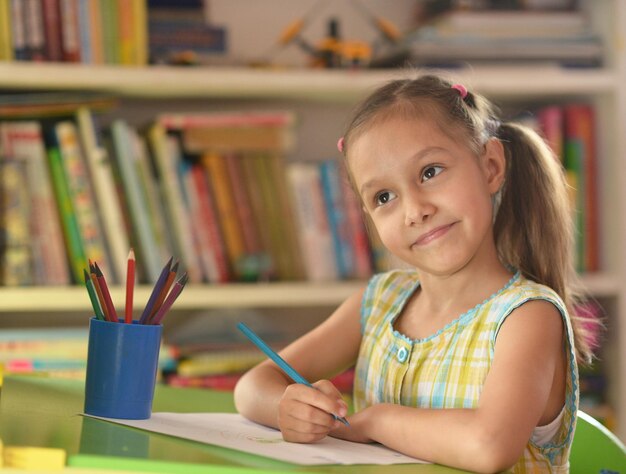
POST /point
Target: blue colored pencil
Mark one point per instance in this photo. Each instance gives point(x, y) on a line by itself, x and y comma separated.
point(155, 292)
point(285, 367)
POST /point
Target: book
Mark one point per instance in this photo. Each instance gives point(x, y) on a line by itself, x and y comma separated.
point(140, 32)
point(359, 237)
point(16, 258)
point(108, 204)
point(217, 173)
point(69, 223)
point(252, 182)
point(182, 35)
point(126, 163)
point(94, 11)
point(166, 155)
point(288, 232)
point(70, 33)
point(255, 255)
point(84, 26)
point(80, 191)
point(34, 30)
point(24, 140)
point(580, 130)
point(203, 209)
point(18, 29)
point(147, 179)
point(6, 34)
point(316, 241)
point(125, 21)
point(336, 210)
point(52, 30)
point(109, 29)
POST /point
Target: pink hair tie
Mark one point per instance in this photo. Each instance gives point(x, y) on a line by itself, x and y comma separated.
point(462, 90)
point(340, 145)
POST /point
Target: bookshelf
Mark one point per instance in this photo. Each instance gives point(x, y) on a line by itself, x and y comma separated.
point(338, 90)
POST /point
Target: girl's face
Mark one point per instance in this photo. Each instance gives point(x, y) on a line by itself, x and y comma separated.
point(428, 195)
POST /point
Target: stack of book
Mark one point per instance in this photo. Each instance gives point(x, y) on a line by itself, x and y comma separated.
point(126, 32)
point(92, 32)
point(570, 130)
point(213, 188)
point(460, 36)
point(54, 352)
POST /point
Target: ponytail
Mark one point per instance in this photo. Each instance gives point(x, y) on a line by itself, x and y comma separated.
point(535, 198)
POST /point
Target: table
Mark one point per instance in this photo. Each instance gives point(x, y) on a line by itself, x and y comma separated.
point(45, 412)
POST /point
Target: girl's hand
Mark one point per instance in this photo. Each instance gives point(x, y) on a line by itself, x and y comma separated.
point(357, 431)
point(305, 414)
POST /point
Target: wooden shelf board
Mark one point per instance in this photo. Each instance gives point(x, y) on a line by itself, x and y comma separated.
point(33, 299)
point(302, 84)
point(238, 295)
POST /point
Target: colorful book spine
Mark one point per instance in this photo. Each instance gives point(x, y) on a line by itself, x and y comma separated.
point(166, 155)
point(316, 242)
point(70, 33)
point(127, 169)
point(69, 223)
point(52, 29)
point(215, 166)
point(16, 258)
point(580, 127)
point(25, 140)
point(100, 169)
point(80, 189)
point(203, 207)
point(331, 184)
point(34, 30)
point(18, 30)
point(6, 39)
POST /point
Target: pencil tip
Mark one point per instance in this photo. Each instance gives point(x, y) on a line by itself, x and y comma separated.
point(86, 275)
point(175, 267)
point(131, 254)
point(98, 271)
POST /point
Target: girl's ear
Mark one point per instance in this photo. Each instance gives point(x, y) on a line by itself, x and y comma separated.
point(494, 164)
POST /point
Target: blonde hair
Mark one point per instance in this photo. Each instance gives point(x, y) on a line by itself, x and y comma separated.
point(533, 198)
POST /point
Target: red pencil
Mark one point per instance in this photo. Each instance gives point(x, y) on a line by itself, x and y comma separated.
point(105, 294)
point(130, 286)
point(169, 301)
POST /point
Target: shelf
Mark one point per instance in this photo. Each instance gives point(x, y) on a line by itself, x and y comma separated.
point(237, 295)
point(303, 84)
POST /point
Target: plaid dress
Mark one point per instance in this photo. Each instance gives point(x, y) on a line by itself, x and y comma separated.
point(448, 368)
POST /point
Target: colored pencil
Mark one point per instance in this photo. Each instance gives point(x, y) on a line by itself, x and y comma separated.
point(164, 290)
point(96, 285)
point(106, 294)
point(92, 296)
point(130, 286)
point(155, 291)
point(284, 366)
point(169, 301)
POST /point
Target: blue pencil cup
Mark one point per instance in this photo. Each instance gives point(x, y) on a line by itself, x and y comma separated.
point(122, 363)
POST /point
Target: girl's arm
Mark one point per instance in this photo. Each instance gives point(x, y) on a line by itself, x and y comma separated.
point(529, 361)
point(266, 395)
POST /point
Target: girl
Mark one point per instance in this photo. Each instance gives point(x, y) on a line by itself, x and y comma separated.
point(469, 358)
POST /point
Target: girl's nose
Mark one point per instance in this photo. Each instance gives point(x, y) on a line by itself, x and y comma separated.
point(417, 209)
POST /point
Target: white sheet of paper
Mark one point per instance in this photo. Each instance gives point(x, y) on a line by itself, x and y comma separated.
point(236, 432)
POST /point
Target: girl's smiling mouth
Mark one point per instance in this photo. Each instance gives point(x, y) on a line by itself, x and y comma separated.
point(433, 234)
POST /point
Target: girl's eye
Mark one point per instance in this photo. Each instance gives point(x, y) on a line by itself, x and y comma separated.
point(383, 197)
point(431, 172)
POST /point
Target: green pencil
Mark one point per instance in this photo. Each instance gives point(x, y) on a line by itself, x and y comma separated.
point(93, 297)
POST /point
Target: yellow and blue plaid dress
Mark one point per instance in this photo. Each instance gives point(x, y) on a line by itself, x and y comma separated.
point(449, 368)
